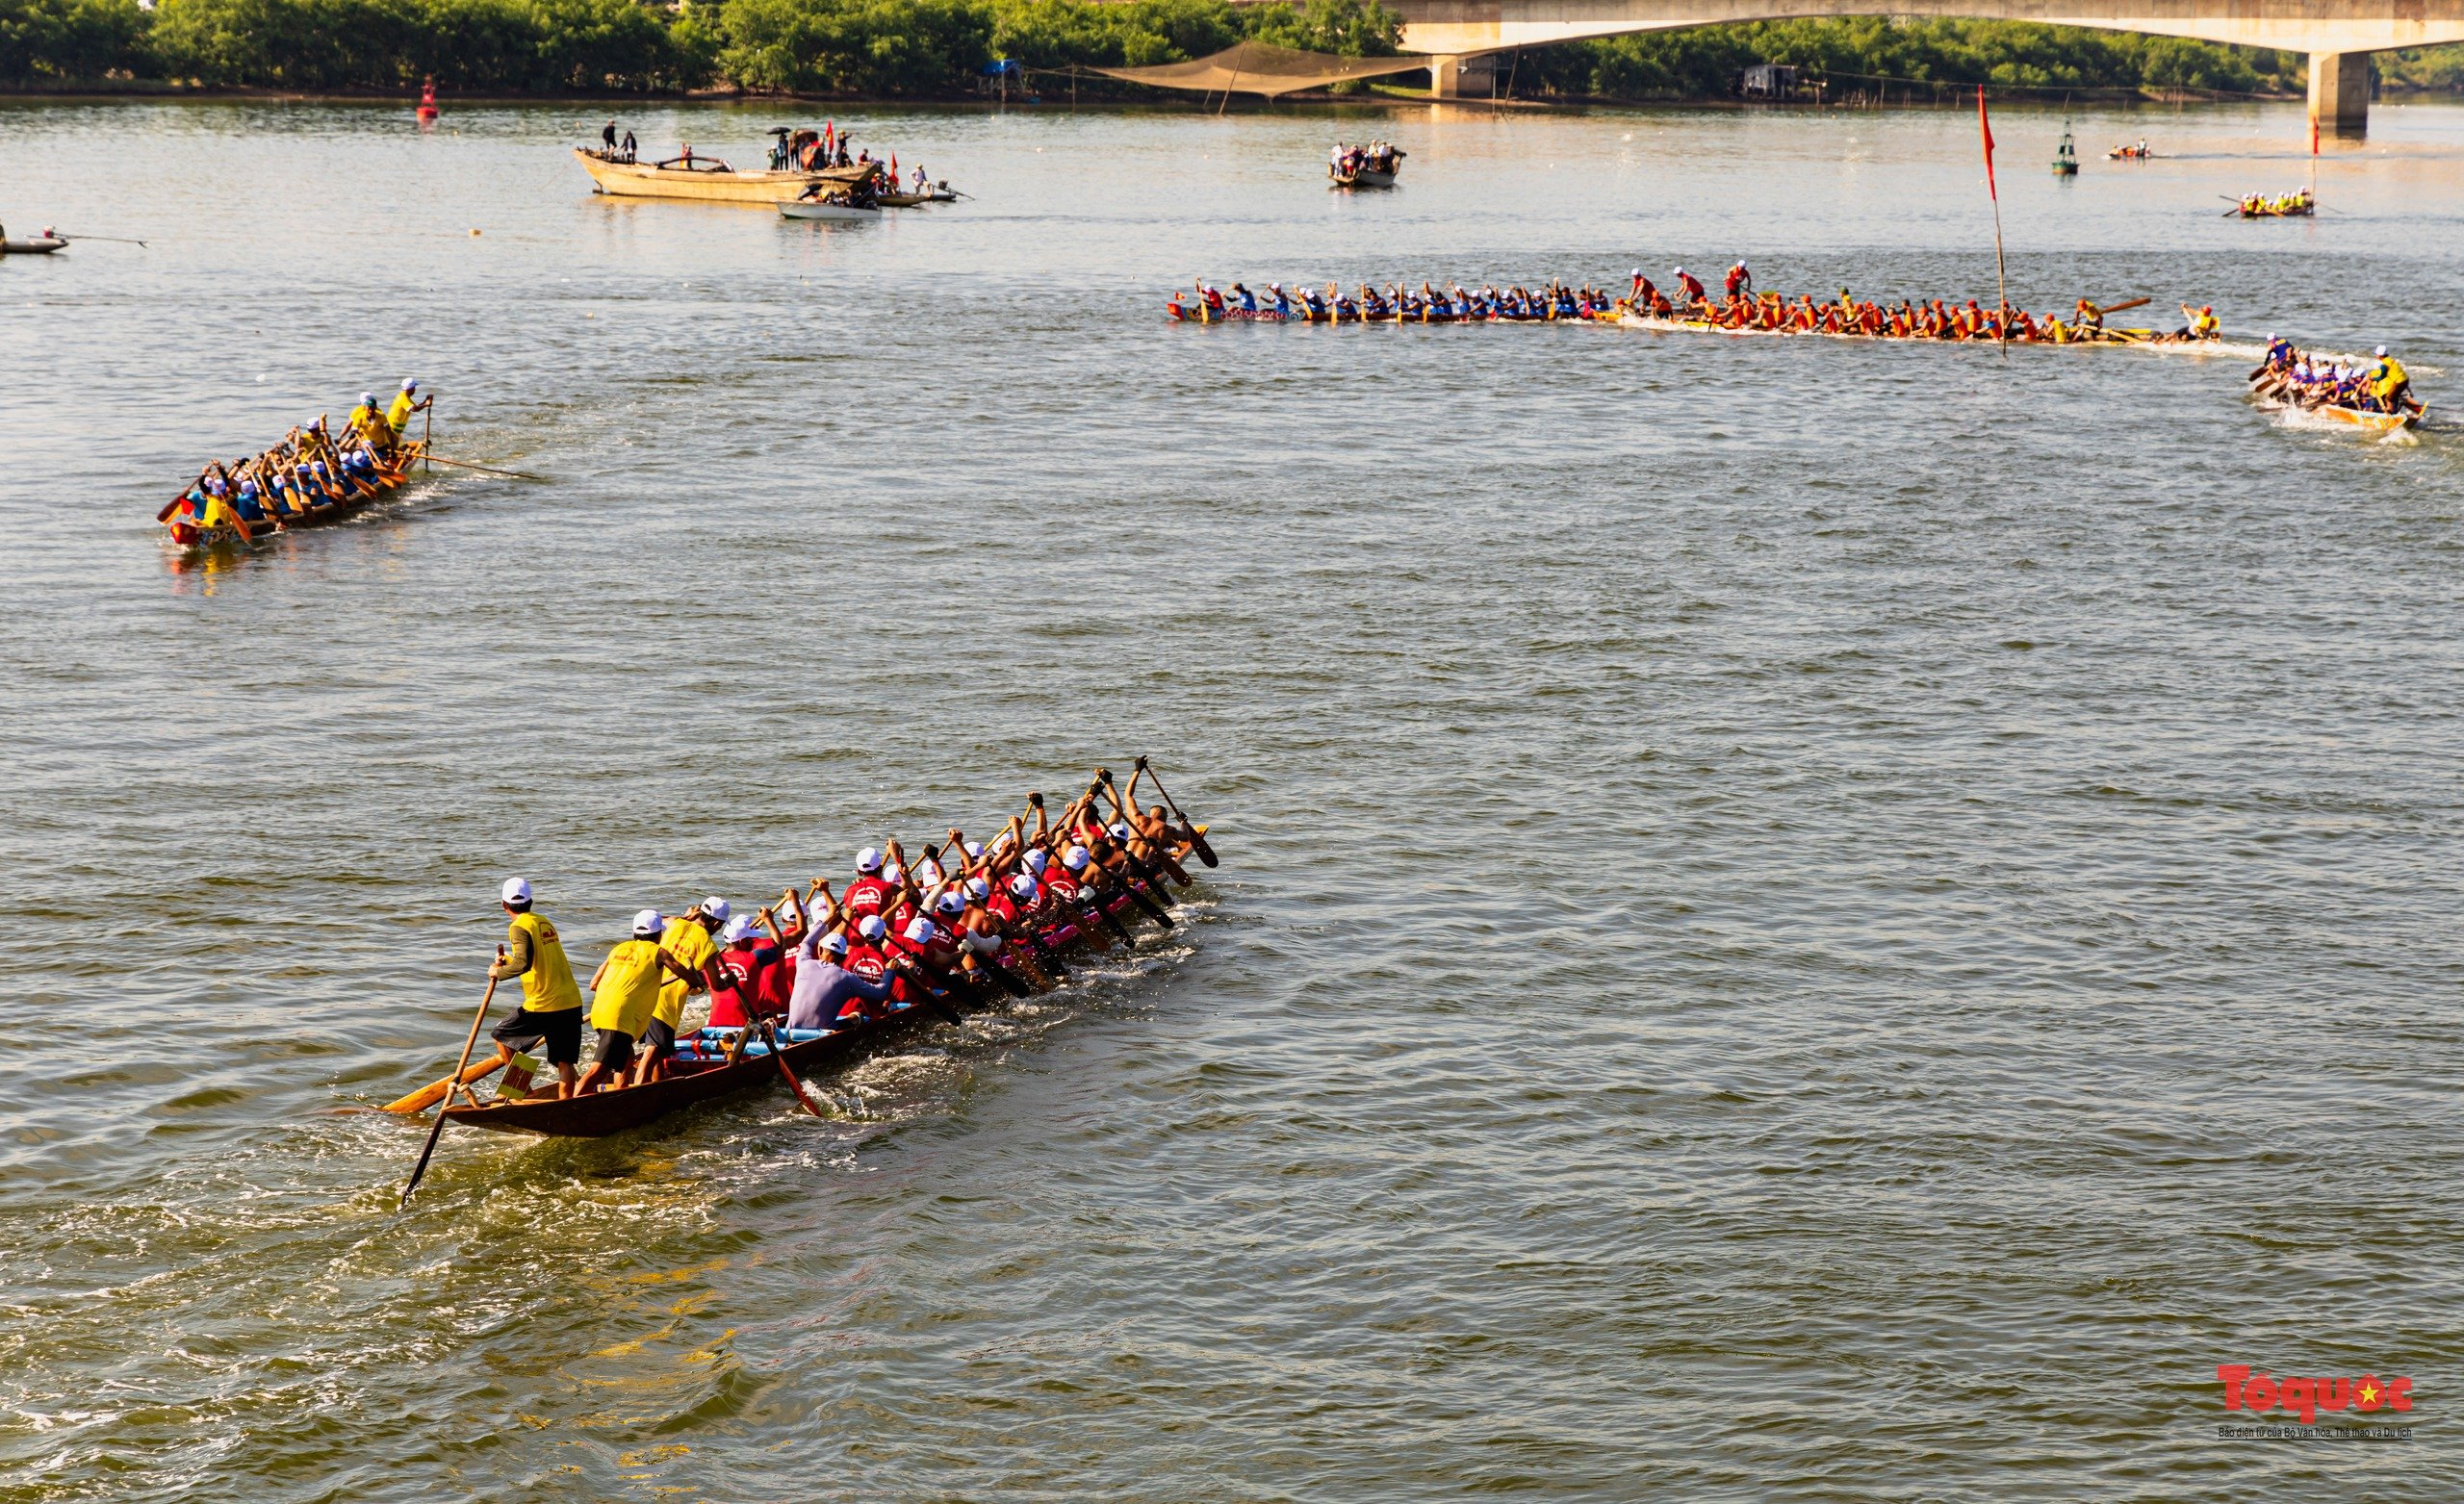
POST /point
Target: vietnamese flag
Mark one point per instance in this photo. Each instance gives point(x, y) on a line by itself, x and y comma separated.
point(1985, 127)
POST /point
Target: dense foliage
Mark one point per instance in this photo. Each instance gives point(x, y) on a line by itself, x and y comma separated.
point(924, 47)
point(1872, 53)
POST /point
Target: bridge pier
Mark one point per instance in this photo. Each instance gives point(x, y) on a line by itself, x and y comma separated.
point(1446, 76)
point(2340, 92)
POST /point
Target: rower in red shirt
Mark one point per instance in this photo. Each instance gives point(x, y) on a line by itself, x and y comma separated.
point(744, 966)
point(868, 893)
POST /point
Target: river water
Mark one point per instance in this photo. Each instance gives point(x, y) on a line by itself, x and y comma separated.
point(1800, 919)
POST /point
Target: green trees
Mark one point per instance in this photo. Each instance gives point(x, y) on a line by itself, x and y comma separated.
point(1876, 52)
point(924, 47)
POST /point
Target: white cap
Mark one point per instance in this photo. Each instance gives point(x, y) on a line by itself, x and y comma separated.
point(718, 908)
point(869, 859)
point(648, 924)
point(1120, 830)
point(918, 930)
point(928, 872)
point(872, 927)
point(893, 873)
point(973, 849)
point(738, 929)
point(978, 889)
point(1038, 859)
point(1075, 858)
point(836, 944)
point(516, 890)
point(1022, 886)
point(951, 901)
point(2380, 352)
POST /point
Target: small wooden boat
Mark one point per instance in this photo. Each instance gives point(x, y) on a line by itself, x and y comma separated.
point(707, 179)
point(615, 1111)
point(903, 200)
point(187, 535)
point(41, 245)
point(815, 209)
point(1365, 177)
point(2292, 206)
point(2129, 154)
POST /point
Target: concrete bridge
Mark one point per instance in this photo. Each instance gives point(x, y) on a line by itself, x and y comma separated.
point(2338, 35)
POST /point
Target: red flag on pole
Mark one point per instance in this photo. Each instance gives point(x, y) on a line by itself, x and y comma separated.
point(1987, 128)
point(2314, 136)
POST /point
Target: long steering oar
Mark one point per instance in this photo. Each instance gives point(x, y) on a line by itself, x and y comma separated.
point(436, 1129)
point(1197, 840)
point(514, 474)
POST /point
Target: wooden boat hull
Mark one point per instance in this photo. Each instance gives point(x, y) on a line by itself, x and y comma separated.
point(195, 539)
point(606, 1113)
point(838, 214)
point(643, 179)
point(2369, 422)
point(1366, 177)
point(39, 246)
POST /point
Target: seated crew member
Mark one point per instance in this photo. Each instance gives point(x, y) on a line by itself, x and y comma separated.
point(551, 1012)
point(827, 991)
point(368, 422)
point(624, 993)
point(745, 960)
point(1248, 299)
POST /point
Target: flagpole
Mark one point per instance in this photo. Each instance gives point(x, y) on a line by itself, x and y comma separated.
point(2001, 284)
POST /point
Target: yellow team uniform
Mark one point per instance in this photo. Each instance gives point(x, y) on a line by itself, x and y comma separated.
point(686, 940)
point(548, 986)
point(2390, 380)
point(369, 425)
point(627, 988)
point(399, 413)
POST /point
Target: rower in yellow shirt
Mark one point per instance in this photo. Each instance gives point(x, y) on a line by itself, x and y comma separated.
point(692, 956)
point(398, 414)
point(624, 995)
point(2389, 383)
point(368, 421)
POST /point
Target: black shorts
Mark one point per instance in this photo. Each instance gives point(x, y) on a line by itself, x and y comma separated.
point(560, 1029)
point(615, 1049)
point(660, 1038)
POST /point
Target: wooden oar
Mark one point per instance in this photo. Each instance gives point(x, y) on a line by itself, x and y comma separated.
point(437, 1129)
point(779, 1053)
point(1197, 841)
point(515, 474)
point(2114, 308)
point(1154, 874)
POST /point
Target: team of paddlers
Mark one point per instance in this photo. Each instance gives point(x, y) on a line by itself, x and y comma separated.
point(1347, 161)
point(903, 931)
point(1739, 307)
point(313, 469)
point(2312, 381)
point(2273, 206)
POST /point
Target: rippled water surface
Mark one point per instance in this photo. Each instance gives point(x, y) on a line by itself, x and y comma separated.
point(1801, 919)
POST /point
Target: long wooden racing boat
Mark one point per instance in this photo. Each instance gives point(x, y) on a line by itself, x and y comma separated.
point(708, 180)
point(187, 535)
point(615, 1111)
point(2368, 422)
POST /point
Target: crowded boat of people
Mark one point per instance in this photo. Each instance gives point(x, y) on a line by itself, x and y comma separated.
point(314, 474)
point(2275, 206)
point(2137, 153)
point(1373, 166)
point(912, 927)
point(2337, 387)
point(1686, 303)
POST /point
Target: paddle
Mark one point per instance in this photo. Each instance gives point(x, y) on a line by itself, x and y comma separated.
point(932, 998)
point(1197, 842)
point(514, 474)
point(174, 505)
point(1126, 886)
point(779, 1053)
point(436, 1130)
point(1121, 812)
point(2114, 308)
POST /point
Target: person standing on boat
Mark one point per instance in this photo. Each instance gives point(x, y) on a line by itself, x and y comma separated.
point(551, 1012)
point(624, 994)
point(398, 416)
point(694, 968)
point(630, 149)
point(607, 136)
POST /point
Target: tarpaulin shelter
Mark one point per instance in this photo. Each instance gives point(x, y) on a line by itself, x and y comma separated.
point(1252, 67)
